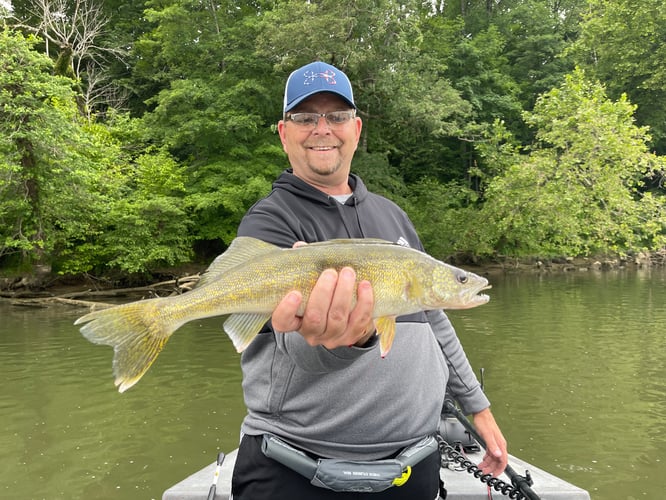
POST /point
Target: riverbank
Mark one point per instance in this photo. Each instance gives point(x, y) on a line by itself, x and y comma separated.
point(641, 260)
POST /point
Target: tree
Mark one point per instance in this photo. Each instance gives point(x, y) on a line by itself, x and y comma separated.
point(213, 107)
point(579, 191)
point(622, 44)
point(76, 29)
point(72, 196)
point(38, 150)
point(146, 224)
point(536, 34)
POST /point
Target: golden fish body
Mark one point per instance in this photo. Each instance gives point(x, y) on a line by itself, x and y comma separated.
point(249, 280)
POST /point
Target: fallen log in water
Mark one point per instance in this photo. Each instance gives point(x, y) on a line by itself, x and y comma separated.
point(44, 299)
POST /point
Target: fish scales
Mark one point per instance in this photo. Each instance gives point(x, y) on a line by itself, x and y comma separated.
point(251, 277)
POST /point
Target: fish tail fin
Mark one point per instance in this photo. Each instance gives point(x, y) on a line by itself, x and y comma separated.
point(137, 333)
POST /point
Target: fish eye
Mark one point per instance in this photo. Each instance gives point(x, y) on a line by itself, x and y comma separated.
point(462, 279)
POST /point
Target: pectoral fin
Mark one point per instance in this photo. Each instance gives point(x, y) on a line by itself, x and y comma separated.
point(386, 331)
point(242, 328)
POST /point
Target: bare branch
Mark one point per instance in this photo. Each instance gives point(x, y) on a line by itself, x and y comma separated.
point(99, 90)
point(76, 27)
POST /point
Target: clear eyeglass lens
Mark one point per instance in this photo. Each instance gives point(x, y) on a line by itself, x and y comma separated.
point(333, 119)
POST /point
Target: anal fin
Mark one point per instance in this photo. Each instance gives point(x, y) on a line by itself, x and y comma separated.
point(242, 328)
point(386, 331)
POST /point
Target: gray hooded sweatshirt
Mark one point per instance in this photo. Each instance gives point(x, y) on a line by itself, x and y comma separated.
point(348, 402)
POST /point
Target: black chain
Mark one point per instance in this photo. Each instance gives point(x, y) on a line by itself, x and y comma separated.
point(449, 453)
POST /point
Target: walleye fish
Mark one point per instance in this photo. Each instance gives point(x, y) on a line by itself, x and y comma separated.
point(248, 281)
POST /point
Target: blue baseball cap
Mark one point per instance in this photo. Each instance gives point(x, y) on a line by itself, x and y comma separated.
point(314, 78)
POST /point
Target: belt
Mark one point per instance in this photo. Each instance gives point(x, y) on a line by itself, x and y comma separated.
point(350, 475)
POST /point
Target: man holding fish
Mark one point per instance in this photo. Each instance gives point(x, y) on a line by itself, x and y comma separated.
point(332, 414)
point(315, 384)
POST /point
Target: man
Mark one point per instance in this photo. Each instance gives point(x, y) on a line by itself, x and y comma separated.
point(317, 382)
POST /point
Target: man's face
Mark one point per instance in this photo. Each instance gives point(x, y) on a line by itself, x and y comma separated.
point(321, 155)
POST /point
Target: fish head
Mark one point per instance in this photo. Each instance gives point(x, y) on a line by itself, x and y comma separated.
point(455, 288)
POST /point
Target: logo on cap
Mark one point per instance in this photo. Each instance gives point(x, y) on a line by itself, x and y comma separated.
point(311, 76)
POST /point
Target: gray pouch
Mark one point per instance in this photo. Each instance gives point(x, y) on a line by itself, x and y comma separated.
point(356, 476)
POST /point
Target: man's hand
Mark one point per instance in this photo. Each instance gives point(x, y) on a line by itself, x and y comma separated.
point(330, 317)
point(496, 457)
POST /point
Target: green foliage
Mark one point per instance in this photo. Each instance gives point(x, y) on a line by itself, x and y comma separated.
point(442, 213)
point(579, 189)
point(43, 182)
point(69, 195)
point(479, 68)
point(136, 222)
point(221, 191)
point(536, 33)
point(467, 125)
point(198, 119)
point(622, 44)
point(147, 223)
point(348, 34)
point(498, 149)
point(380, 176)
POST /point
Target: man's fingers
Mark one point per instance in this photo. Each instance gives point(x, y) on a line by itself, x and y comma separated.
point(284, 318)
point(315, 316)
point(361, 322)
point(341, 303)
point(338, 311)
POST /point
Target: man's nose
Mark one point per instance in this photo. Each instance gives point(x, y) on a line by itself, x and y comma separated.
point(322, 125)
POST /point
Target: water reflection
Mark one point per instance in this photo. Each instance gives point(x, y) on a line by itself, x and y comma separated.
point(574, 363)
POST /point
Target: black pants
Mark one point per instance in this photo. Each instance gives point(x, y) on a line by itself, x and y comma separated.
point(257, 477)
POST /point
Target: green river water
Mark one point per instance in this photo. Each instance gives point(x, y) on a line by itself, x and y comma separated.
point(574, 363)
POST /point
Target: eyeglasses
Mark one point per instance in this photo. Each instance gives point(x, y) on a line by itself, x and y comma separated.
point(311, 120)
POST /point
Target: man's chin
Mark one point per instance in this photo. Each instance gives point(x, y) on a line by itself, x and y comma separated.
point(324, 170)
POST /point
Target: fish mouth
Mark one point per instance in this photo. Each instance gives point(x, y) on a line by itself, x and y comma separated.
point(480, 297)
point(472, 298)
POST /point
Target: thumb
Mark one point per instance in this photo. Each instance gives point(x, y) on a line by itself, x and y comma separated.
point(284, 318)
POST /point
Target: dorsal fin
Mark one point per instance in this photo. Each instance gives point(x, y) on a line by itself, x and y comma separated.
point(242, 249)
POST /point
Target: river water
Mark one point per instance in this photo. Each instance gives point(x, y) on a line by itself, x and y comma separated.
point(575, 364)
